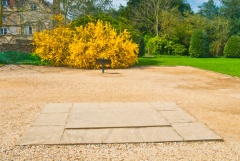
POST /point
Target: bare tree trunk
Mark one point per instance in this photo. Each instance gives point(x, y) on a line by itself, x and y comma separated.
point(157, 12)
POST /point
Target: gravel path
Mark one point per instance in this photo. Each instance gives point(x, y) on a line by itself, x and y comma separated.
point(213, 99)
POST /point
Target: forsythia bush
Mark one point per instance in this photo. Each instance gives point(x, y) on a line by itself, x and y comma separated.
point(101, 41)
point(81, 47)
point(53, 45)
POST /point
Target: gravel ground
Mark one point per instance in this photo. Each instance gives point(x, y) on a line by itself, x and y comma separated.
point(212, 98)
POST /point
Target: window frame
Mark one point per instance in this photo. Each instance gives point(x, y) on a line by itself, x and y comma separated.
point(5, 3)
point(28, 30)
point(3, 31)
point(33, 7)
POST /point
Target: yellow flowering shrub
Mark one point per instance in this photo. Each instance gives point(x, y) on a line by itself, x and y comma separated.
point(95, 41)
point(81, 47)
point(53, 45)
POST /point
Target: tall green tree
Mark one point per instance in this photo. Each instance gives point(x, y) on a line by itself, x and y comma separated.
point(127, 11)
point(199, 45)
point(219, 33)
point(181, 5)
point(209, 9)
point(217, 28)
point(231, 10)
point(173, 26)
point(149, 13)
point(145, 15)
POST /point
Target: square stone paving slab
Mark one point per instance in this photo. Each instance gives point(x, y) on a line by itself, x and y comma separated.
point(55, 119)
point(195, 131)
point(160, 134)
point(42, 135)
point(177, 116)
point(116, 122)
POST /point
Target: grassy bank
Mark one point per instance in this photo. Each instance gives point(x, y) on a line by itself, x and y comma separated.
point(221, 65)
point(11, 57)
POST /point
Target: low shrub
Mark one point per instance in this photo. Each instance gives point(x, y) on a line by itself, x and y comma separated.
point(159, 45)
point(232, 47)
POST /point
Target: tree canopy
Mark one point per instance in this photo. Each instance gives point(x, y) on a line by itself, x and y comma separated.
point(170, 20)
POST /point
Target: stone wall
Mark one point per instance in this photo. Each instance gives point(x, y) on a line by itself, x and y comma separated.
point(20, 45)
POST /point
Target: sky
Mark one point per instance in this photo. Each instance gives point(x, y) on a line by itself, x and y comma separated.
point(194, 3)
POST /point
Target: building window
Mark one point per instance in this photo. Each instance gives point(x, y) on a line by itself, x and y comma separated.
point(5, 3)
point(3, 31)
point(33, 7)
point(28, 30)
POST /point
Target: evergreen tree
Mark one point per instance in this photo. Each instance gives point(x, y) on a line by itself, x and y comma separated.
point(199, 44)
point(209, 9)
point(232, 49)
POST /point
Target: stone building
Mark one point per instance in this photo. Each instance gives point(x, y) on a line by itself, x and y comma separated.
point(21, 18)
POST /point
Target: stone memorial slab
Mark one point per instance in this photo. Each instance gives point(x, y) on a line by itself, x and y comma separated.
point(115, 122)
point(112, 117)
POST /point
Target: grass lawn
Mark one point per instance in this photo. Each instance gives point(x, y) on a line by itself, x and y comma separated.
point(222, 65)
